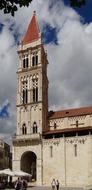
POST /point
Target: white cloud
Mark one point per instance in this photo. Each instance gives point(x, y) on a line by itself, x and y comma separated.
point(70, 62)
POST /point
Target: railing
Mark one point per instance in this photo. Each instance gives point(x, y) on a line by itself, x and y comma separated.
point(30, 136)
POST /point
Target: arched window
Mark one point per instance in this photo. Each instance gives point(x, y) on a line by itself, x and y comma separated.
point(24, 129)
point(34, 60)
point(34, 127)
point(25, 91)
point(33, 94)
point(25, 96)
point(36, 93)
point(35, 90)
point(25, 62)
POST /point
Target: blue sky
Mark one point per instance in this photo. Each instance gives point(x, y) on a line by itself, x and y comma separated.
point(67, 36)
point(85, 11)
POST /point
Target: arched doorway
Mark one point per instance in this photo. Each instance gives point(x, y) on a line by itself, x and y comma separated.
point(28, 163)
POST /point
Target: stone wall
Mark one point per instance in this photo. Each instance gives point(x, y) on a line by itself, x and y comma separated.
point(69, 167)
point(70, 122)
point(17, 155)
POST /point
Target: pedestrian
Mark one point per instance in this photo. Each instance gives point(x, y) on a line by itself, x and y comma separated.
point(57, 184)
point(24, 184)
point(53, 184)
point(18, 184)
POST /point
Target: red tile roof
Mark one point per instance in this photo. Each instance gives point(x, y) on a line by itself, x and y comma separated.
point(67, 130)
point(70, 112)
point(33, 32)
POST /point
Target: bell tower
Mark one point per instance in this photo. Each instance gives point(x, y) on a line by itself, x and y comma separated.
point(32, 104)
point(32, 85)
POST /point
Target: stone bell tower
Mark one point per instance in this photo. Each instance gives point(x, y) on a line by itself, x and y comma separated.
point(32, 88)
point(32, 100)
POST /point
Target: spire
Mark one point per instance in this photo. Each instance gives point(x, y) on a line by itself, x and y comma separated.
point(33, 32)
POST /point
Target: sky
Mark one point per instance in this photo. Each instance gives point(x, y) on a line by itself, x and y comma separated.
point(67, 37)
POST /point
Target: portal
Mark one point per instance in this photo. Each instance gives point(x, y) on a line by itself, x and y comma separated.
point(28, 163)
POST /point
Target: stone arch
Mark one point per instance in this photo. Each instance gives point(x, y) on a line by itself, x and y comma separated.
point(28, 163)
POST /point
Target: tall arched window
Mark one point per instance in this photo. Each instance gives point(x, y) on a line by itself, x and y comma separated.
point(34, 127)
point(34, 60)
point(25, 96)
point(25, 62)
point(36, 93)
point(33, 94)
point(24, 129)
point(35, 89)
point(25, 92)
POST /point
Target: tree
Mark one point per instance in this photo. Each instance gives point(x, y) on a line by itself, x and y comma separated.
point(77, 3)
point(11, 6)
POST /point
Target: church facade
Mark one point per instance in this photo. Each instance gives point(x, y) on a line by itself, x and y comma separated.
point(55, 144)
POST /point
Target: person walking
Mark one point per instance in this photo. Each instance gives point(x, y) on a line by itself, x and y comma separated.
point(24, 185)
point(53, 184)
point(57, 184)
point(18, 184)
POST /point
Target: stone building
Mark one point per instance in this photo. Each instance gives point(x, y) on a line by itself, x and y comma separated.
point(55, 144)
point(5, 155)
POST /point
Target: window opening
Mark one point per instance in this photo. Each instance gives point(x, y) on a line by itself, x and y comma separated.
point(75, 150)
point(36, 94)
point(25, 92)
point(35, 60)
point(24, 129)
point(35, 90)
point(34, 127)
point(51, 151)
point(25, 61)
point(77, 123)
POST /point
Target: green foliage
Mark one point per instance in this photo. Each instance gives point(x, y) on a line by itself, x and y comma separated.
point(11, 6)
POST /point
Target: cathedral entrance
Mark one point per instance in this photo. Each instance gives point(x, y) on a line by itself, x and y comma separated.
point(28, 164)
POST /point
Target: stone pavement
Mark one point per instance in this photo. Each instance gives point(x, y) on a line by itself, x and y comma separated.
point(49, 188)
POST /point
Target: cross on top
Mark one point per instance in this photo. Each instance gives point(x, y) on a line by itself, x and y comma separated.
point(77, 124)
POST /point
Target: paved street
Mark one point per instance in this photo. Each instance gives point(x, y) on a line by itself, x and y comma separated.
point(61, 188)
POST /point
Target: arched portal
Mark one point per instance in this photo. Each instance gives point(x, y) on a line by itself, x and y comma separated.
point(28, 163)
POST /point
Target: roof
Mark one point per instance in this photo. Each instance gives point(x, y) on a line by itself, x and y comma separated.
point(33, 32)
point(66, 130)
point(70, 112)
